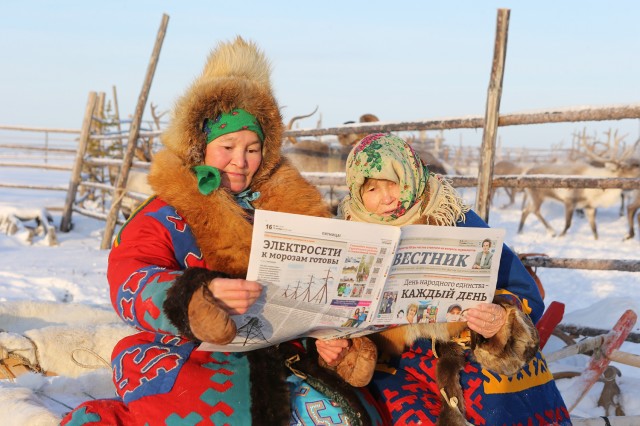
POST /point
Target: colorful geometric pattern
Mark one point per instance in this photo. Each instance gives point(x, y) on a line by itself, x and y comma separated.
point(183, 242)
point(148, 368)
point(310, 407)
point(407, 387)
point(160, 378)
point(140, 296)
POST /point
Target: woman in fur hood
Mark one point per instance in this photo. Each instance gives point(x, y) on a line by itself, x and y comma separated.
point(176, 273)
point(485, 371)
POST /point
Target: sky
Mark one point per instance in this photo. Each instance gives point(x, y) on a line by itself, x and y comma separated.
point(55, 295)
point(404, 60)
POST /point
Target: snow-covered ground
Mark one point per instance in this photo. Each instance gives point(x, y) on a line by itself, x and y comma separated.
point(69, 281)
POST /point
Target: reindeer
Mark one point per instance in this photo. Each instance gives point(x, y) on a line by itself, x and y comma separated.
point(633, 203)
point(351, 139)
point(293, 139)
point(137, 190)
point(632, 208)
point(585, 198)
point(503, 168)
point(314, 155)
point(610, 398)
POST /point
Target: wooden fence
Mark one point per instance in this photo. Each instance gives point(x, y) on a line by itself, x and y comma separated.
point(483, 182)
point(65, 156)
point(333, 181)
point(336, 180)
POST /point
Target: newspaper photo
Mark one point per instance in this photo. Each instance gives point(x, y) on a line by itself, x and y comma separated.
point(330, 278)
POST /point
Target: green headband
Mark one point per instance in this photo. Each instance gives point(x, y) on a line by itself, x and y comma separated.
point(229, 122)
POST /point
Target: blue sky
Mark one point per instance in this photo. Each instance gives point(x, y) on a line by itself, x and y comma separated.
point(399, 60)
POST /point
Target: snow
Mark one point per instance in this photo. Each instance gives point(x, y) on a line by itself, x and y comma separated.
point(64, 287)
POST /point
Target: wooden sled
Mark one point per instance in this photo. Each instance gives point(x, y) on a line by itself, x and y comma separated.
point(607, 421)
point(13, 366)
point(602, 348)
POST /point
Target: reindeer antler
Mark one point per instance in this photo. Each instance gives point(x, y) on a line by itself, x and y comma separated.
point(156, 116)
point(612, 151)
point(292, 139)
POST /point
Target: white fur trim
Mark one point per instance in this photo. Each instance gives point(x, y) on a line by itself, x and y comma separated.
point(65, 339)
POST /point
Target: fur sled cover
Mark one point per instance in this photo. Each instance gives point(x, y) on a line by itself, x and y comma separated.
point(59, 339)
point(68, 340)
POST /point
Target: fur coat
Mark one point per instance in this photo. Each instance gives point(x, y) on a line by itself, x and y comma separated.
point(484, 376)
point(176, 243)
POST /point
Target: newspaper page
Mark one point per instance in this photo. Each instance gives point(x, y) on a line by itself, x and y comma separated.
point(439, 272)
point(322, 278)
point(329, 278)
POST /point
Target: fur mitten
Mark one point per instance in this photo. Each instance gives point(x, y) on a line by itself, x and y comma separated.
point(191, 307)
point(358, 365)
point(512, 347)
point(208, 321)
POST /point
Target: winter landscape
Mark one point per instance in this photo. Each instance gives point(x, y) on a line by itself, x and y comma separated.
point(58, 296)
point(423, 60)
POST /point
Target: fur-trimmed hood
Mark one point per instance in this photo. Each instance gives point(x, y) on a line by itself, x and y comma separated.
point(236, 75)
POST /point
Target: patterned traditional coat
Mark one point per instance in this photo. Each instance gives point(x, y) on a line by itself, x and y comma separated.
point(407, 386)
point(178, 242)
point(159, 374)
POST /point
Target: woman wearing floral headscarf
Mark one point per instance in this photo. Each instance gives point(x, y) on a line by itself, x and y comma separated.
point(389, 184)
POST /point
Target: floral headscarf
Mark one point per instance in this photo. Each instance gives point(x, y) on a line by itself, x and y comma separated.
point(424, 198)
point(385, 156)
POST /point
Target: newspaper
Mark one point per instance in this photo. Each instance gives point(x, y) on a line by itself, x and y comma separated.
point(329, 278)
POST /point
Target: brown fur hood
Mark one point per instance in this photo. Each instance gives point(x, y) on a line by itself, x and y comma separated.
point(236, 75)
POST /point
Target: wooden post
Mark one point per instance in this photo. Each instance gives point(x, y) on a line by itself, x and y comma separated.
point(134, 132)
point(485, 174)
point(116, 112)
point(65, 222)
point(111, 171)
point(97, 174)
point(100, 112)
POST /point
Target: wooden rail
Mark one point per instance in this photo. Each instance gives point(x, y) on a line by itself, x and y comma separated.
point(38, 148)
point(506, 181)
point(37, 166)
point(592, 264)
point(588, 113)
point(39, 129)
point(33, 186)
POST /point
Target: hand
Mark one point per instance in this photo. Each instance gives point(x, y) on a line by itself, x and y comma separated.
point(333, 351)
point(486, 319)
point(235, 295)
